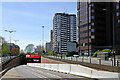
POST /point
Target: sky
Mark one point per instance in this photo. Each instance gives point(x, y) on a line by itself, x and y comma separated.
point(27, 19)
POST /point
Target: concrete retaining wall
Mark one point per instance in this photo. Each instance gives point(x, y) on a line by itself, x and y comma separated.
point(77, 70)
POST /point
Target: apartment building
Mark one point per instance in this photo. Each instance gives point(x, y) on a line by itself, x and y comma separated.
point(47, 47)
point(95, 26)
point(64, 30)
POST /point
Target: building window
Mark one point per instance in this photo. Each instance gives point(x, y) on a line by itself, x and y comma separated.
point(92, 30)
point(117, 7)
point(82, 26)
point(92, 37)
point(84, 7)
point(117, 14)
point(118, 20)
point(92, 17)
point(91, 4)
point(92, 10)
point(92, 24)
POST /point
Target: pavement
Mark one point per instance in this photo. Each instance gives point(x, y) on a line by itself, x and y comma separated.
point(50, 61)
point(25, 72)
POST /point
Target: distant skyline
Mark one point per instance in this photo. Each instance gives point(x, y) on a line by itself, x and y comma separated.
point(27, 18)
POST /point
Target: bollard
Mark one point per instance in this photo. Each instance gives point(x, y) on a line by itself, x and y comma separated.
point(82, 59)
point(117, 63)
point(112, 62)
point(90, 60)
point(71, 58)
point(76, 58)
point(100, 61)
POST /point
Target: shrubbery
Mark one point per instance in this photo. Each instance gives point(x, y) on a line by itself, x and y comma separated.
point(51, 53)
point(104, 50)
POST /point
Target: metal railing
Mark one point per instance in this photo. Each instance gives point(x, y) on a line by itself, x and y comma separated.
point(5, 59)
point(89, 60)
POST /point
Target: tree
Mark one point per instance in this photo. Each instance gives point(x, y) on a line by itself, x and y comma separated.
point(38, 49)
point(22, 51)
point(29, 48)
point(15, 51)
point(5, 49)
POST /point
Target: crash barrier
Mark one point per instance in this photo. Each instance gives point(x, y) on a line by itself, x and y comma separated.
point(77, 70)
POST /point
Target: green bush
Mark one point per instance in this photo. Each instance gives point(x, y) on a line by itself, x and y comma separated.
point(95, 54)
point(104, 50)
point(107, 50)
point(51, 53)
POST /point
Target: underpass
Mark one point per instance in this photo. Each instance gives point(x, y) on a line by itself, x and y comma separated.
point(53, 69)
point(25, 72)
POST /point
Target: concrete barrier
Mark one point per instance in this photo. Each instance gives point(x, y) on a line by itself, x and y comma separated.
point(42, 66)
point(47, 66)
point(78, 70)
point(64, 68)
point(37, 65)
point(54, 67)
point(104, 74)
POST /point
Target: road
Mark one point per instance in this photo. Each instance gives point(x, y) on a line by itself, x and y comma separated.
point(25, 72)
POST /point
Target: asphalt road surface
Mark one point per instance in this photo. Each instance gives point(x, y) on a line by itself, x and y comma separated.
point(25, 72)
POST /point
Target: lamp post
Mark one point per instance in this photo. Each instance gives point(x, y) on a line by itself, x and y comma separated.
point(88, 27)
point(40, 42)
point(45, 46)
point(43, 37)
point(113, 27)
point(10, 31)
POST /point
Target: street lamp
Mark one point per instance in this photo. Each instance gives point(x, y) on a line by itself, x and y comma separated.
point(113, 14)
point(10, 31)
point(43, 37)
point(40, 42)
point(88, 27)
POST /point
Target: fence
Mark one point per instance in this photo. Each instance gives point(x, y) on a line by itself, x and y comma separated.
point(5, 59)
point(89, 60)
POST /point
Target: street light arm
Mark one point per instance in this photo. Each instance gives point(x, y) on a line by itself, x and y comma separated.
point(9, 31)
point(6, 30)
point(12, 31)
